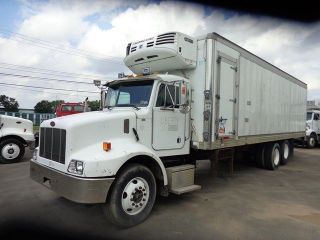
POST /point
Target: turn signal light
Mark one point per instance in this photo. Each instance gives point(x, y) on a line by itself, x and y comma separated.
point(107, 146)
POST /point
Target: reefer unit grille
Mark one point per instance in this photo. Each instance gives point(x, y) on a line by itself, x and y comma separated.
point(165, 38)
point(53, 144)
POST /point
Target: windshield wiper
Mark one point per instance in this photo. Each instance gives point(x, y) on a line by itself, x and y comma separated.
point(109, 107)
point(128, 105)
point(134, 106)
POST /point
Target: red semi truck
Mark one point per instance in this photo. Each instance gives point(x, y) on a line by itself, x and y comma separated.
point(64, 109)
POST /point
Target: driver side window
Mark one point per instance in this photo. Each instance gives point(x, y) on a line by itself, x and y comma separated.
point(316, 116)
point(168, 96)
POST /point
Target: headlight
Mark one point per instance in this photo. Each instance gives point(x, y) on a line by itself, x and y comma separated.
point(76, 167)
point(35, 154)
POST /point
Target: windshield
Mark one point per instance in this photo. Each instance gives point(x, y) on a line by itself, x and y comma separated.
point(124, 94)
point(309, 115)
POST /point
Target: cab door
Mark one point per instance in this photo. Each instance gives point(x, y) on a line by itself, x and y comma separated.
point(169, 123)
point(316, 123)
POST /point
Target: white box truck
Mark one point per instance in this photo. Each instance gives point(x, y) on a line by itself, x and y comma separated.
point(190, 99)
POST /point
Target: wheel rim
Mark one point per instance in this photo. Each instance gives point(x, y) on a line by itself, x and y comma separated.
point(312, 141)
point(135, 196)
point(10, 151)
point(286, 151)
point(276, 156)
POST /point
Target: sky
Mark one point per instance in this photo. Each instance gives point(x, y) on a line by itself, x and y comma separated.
point(78, 41)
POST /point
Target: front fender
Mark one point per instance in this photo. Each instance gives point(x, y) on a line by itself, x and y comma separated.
point(309, 132)
point(27, 136)
point(99, 163)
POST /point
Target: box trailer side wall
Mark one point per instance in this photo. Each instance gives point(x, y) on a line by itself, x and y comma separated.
point(268, 102)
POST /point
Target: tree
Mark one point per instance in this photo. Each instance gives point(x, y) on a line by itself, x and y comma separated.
point(9, 104)
point(43, 106)
point(94, 105)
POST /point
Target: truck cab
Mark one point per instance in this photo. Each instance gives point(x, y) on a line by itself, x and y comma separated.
point(64, 109)
point(312, 128)
point(15, 134)
point(144, 119)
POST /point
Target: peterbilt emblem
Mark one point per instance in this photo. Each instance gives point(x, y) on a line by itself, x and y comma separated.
point(52, 123)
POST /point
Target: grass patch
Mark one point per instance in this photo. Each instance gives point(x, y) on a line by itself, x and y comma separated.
point(35, 128)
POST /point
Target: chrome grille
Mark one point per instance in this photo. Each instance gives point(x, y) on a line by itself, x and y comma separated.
point(53, 144)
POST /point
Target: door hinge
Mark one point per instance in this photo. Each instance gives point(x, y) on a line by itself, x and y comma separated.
point(207, 94)
point(233, 100)
point(234, 68)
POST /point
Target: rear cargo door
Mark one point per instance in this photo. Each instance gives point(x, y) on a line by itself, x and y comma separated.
point(227, 68)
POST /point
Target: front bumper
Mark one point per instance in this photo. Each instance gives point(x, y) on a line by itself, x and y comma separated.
point(81, 190)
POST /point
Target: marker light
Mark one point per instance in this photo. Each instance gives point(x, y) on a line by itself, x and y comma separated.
point(106, 146)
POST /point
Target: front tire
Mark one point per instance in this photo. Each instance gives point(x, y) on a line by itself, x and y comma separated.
point(11, 150)
point(311, 143)
point(132, 196)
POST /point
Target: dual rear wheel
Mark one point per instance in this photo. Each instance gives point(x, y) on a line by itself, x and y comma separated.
point(273, 154)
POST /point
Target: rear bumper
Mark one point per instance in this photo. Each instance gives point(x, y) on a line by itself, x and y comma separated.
point(81, 190)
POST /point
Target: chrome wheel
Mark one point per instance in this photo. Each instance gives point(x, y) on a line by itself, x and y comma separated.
point(135, 196)
point(276, 156)
point(286, 151)
point(10, 151)
point(312, 142)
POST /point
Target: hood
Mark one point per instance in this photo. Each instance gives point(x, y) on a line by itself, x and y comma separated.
point(16, 122)
point(91, 128)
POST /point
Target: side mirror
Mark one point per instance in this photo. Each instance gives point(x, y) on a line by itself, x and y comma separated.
point(103, 99)
point(184, 97)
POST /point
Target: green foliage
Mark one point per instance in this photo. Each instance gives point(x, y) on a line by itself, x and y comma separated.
point(94, 105)
point(43, 106)
point(9, 104)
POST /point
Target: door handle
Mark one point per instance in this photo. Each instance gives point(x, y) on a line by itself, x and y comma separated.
point(178, 139)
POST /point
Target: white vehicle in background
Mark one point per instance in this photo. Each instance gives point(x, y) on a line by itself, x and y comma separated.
point(312, 137)
point(15, 134)
point(192, 99)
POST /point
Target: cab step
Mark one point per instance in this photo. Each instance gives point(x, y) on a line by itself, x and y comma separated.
point(186, 189)
point(181, 179)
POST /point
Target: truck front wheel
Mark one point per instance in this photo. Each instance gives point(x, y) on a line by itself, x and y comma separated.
point(311, 143)
point(132, 196)
point(11, 150)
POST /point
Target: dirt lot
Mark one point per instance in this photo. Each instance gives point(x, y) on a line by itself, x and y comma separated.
point(252, 204)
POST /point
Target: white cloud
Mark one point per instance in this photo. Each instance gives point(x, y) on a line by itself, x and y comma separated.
point(142, 22)
point(105, 28)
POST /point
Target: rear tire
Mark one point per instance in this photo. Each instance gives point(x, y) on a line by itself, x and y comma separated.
point(132, 196)
point(259, 156)
point(11, 150)
point(285, 152)
point(272, 156)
